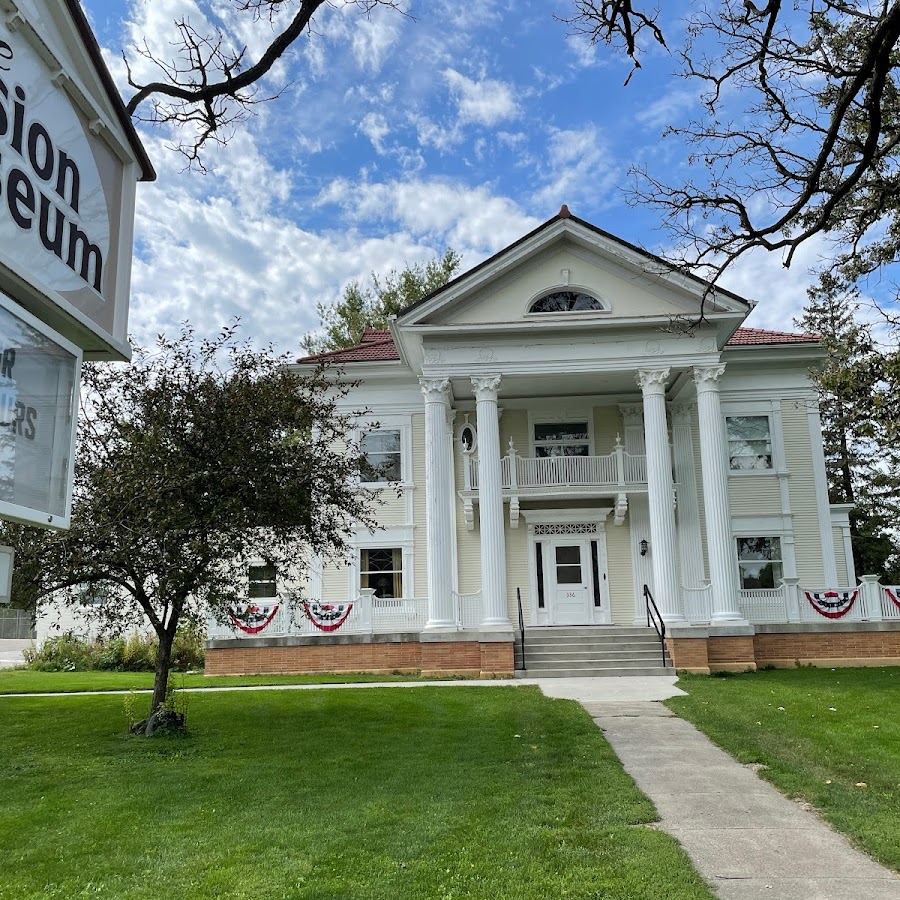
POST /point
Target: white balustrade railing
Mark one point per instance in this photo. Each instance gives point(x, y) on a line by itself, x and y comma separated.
point(697, 604)
point(760, 605)
point(616, 469)
point(889, 597)
point(368, 615)
point(468, 609)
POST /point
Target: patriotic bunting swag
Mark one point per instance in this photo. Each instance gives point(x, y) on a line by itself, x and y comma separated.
point(893, 597)
point(831, 604)
point(328, 616)
point(253, 619)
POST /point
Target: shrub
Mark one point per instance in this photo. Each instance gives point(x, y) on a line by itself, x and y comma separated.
point(137, 653)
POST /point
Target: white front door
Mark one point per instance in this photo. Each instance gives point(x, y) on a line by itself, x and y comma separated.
point(570, 578)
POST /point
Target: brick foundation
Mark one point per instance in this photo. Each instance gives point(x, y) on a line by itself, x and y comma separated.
point(786, 646)
point(458, 657)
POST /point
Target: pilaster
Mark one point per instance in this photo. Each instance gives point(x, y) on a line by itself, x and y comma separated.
point(690, 543)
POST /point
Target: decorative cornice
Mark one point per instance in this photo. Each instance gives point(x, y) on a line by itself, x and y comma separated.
point(707, 377)
point(435, 390)
point(486, 386)
point(652, 381)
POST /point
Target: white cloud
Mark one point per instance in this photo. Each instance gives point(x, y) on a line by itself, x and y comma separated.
point(666, 109)
point(473, 220)
point(484, 102)
point(375, 127)
point(579, 167)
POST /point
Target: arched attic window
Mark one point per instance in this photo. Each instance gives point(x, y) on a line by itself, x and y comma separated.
point(565, 301)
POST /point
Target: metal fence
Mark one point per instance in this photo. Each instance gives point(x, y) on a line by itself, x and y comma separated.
point(16, 625)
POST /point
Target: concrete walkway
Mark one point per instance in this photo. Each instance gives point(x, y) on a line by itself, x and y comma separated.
point(11, 654)
point(745, 838)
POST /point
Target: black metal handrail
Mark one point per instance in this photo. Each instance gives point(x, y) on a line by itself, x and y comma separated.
point(521, 624)
point(656, 620)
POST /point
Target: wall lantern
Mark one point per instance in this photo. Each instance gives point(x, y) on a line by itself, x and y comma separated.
point(644, 547)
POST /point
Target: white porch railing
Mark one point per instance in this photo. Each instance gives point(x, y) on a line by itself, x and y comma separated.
point(368, 615)
point(697, 604)
point(616, 469)
point(790, 602)
point(468, 609)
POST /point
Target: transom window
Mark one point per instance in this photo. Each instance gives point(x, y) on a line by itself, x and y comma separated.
point(562, 439)
point(759, 562)
point(565, 301)
point(383, 457)
point(382, 570)
point(749, 442)
point(263, 582)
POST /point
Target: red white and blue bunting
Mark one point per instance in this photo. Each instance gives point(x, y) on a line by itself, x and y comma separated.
point(253, 618)
point(893, 597)
point(327, 616)
point(832, 604)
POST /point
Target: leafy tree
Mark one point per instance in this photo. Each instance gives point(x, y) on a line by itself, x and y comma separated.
point(343, 322)
point(857, 399)
point(799, 131)
point(194, 461)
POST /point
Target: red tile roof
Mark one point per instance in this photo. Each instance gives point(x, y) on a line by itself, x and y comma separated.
point(378, 346)
point(746, 336)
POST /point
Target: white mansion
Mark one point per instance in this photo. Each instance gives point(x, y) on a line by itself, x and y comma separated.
point(569, 422)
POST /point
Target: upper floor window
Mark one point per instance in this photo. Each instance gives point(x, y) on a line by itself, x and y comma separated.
point(749, 442)
point(383, 456)
point(263, 582)
point(562, 439)
point(565, 301)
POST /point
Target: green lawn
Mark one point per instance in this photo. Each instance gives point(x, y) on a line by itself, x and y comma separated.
point(430, 793)
point(24, 681)
point(820, 732)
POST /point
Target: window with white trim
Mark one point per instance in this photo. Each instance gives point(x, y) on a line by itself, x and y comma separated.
point(562, 439)
point(760, 563)
point(749, 443)
point(263, 582)
point(382, 451)
point(382, 570)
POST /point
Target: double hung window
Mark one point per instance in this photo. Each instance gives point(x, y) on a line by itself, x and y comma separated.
point(263, 582)
point(382, 570)
point(562, 439)
point(383, 456)
point(749, 442)
point(759, 562)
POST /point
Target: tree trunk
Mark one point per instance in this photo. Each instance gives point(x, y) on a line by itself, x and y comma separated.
point(163, 662)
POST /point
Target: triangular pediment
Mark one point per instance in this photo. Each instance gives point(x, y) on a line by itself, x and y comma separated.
point(567, 254)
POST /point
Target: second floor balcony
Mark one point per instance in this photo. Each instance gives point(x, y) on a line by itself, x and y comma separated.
point(574, 476)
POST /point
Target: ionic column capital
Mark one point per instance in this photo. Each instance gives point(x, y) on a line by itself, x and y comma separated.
point(707, 377)
point(652, 381)
point(435, 390)
point(486, 386)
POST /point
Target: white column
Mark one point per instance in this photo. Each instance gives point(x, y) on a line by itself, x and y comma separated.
point(713, 460)
point(690, 544)
point(490, 506)
point(438, 505)
point(638, 511)
point(666, 592)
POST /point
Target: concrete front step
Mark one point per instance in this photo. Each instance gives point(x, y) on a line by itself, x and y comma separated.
point(536, 664)
point(557, 655)
point(593, 673)
point(598, 643)
point(612, 630)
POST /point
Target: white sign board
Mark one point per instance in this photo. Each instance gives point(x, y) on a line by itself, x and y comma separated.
point(39, 381)
point(66, 198)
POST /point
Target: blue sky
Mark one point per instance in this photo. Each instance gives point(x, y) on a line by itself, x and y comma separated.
point(461, 124)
